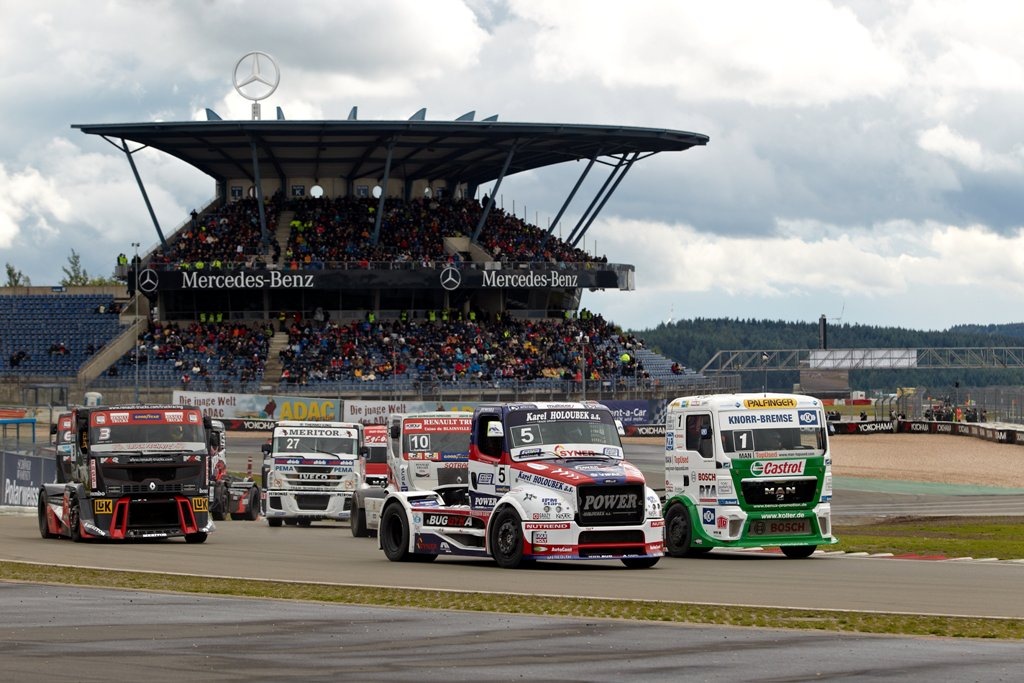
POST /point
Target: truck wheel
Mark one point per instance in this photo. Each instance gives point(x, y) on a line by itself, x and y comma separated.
point(394, 534)
point(44, 525)
point(75, 520)
point(507, 539)
point(678, 531)
point(199, 537)
point(798, 552)
point(253, 512)
point(274, 521)
point(640, 562)
point(358, 522)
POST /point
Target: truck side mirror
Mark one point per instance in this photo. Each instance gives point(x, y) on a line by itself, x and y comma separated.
point(619, 428)
point(396, 431)
point(364, 452)
point(207, 422)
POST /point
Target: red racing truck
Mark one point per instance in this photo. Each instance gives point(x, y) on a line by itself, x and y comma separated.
point(135, 471)
point(547, 481)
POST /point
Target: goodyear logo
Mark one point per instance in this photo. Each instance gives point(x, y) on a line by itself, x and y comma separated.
point(201, 504)
point(763, 403)
point(103, 506)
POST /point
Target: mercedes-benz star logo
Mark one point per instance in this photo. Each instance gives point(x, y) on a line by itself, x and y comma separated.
point(148, 281)
point(250, 81)
point(451, 278)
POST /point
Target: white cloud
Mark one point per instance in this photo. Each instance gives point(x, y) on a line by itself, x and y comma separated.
point(951, 145)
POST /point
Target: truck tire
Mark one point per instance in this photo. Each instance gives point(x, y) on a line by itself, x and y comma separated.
point(44, 525)
point(358, 522)
point(75, 520)
point(507, 539)
point(678, 531)
point(394, 534)
point(253, 512)
point(198, 537)
point(640, 562)
point(220, 503)
point(798, 552)
point(275, 521)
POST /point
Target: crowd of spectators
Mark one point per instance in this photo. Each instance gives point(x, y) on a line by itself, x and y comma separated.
point(455, 348)
point(204, 353)
point(228, 238)
point(340, 230)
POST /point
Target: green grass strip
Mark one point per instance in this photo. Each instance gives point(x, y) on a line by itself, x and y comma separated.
point(999, 537)
point(590, 608)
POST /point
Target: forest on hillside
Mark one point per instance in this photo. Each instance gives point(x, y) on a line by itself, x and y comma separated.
point(694, 342)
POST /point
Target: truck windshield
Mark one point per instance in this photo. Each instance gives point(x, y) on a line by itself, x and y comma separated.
point(324, 445)
point(156, 436)
point(437, 443)
point(788, 440)
point(562, 433)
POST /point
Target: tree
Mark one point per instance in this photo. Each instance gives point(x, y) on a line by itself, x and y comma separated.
point(77, 276)
point(16, 278)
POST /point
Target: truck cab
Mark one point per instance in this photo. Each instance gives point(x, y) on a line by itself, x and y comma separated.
point(309, 473)
point(230, 494)
point(547, 481)
point(372, 470)
point(425, 452)
point(747, 470)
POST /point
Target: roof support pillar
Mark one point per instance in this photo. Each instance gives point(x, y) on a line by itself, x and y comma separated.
point(142, 188)
point(497, 184)
point(383, 194)
point(264, 233)
point(603, 195)
point(568, 200)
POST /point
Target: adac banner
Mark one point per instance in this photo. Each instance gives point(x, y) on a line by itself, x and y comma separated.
point(260, 406)
point(23, 475)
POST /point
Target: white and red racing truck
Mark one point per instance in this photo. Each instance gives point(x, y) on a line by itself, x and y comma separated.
point(425, 452)
point(547, 481)
point(310, 472)
point(230, 494)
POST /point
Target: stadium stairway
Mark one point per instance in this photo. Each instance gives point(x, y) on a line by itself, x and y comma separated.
point(272, 369)
point(281, 233)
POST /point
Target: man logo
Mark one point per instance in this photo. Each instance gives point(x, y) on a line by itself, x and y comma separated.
point(451, 278)
point(148, 281)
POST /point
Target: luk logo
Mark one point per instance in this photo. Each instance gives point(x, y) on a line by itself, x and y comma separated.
point(451, 278)
point(708, 515)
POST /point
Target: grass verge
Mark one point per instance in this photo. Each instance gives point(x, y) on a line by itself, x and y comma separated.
point(999, 537)
point(591, 608)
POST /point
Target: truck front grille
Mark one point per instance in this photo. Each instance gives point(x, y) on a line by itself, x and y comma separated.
point(776, 492)
point(610, 504)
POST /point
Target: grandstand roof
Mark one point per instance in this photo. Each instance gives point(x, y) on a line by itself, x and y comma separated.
point(472, 152)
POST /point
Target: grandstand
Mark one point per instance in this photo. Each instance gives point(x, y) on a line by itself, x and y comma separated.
point(354, 258)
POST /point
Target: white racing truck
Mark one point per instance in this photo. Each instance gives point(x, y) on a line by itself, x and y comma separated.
point(747, 470)
point(425, 452)
point(547, 481)
point(310, 472)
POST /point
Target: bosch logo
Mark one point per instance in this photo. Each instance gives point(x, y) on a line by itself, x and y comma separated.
point(451, 278)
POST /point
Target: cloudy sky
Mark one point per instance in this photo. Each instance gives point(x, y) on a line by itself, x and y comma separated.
point(866, 159)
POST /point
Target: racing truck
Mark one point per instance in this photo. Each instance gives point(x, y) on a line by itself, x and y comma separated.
point(372, 471)
point(309, 473)
point(61, 439)
point(425, 452)
point(230, 494)
point(132, 471)
point(547, 481)
point(747, 470)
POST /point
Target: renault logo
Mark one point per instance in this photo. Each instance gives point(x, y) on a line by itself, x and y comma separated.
point(148, 281)
point(451, 278)
point(152, 486)
point(250, 80)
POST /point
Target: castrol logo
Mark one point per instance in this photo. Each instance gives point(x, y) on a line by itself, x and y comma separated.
point(776, 468)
